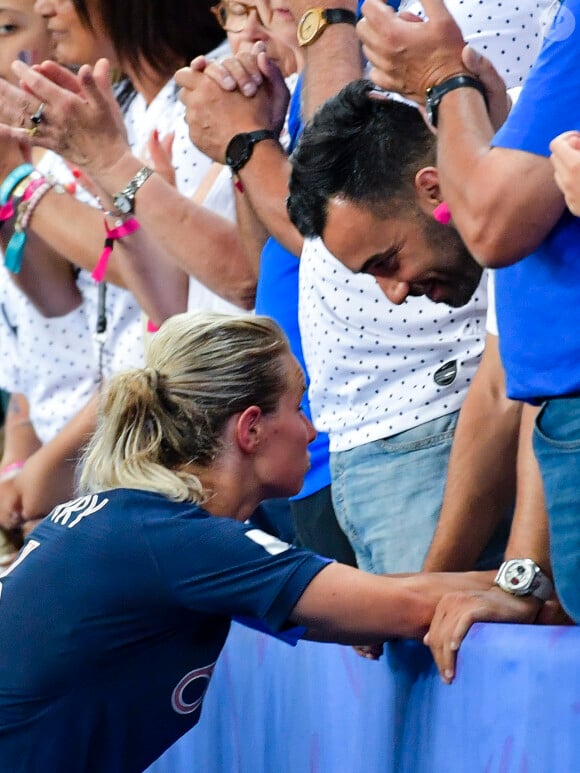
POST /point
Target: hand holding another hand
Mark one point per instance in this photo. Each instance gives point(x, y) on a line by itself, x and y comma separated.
point(229, 96)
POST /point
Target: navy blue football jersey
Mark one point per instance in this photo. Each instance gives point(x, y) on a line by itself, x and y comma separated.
point(112, 619)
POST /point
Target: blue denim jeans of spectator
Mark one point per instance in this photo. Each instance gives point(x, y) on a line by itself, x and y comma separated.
point(387, 495)
point(557, 449)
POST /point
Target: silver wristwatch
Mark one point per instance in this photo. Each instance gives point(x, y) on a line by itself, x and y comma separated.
point(124, 200)
point(523, 577)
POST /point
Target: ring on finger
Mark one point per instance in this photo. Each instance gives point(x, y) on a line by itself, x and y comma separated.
point(36, 117)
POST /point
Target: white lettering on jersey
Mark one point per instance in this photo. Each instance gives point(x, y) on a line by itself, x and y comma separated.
point(177, 702)
point(271, 544)
point(81, 507)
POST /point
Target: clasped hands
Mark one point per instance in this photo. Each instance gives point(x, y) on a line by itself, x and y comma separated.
point(231, 95)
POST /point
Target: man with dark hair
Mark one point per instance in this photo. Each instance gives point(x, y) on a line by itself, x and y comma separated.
point(364, 181)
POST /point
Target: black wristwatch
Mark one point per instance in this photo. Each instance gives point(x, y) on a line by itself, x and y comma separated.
point(240, 147)
point(435, 94)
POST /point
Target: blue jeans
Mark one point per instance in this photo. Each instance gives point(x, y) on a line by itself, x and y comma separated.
point(387, 495)
point(557, 449)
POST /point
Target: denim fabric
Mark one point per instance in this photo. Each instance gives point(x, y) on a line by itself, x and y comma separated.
point(557, 449)
point(387, 495)
point(317, 528)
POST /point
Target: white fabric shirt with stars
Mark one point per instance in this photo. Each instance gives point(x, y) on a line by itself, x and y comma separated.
point(372, 364)
point(50, 361)
point(123, 344)
point(507, 32)
point(54, 362)
point(166, 113)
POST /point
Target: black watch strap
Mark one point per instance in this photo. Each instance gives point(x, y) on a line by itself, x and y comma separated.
point(240, 147)
point(435, 94)
point(339, 16)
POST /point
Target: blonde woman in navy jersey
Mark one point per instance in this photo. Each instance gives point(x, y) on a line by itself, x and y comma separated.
point(129, 590)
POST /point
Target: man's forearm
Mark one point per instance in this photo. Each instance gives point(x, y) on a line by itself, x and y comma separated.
point(481, 480)
point(503, 202)
point(529, 536)
point(265, 181)
point(332, 61)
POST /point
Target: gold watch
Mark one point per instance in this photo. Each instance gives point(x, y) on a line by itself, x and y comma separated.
point(315, 20)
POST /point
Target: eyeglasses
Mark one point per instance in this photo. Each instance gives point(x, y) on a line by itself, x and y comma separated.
point(233, 15)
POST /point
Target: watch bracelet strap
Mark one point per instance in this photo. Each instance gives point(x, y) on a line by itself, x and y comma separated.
point(339, 16)
point(131, 188)
point(137, 181)
point(455, 82)
point(543, 587)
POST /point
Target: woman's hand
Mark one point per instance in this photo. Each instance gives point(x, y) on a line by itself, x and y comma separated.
point(80, 119)
point(456, 613)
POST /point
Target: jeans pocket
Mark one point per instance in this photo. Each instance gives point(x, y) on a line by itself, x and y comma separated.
point(558, 424)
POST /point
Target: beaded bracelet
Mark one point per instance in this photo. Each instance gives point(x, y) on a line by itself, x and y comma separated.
point(29, 202)
point(23, 189)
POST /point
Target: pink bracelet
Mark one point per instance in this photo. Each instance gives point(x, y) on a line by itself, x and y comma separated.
point(122, 229)
point(33, 199)
point(10, 471)
point(7, 210)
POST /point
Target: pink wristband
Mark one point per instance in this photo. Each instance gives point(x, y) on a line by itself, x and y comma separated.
point(10, 471)
point(124, 229)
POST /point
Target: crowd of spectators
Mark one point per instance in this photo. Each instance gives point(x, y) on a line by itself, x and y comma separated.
point(397, 186)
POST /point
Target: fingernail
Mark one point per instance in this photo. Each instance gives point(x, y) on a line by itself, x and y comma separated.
point(448, 674)
point(249, 89)
point(454, 645)
point(257, 78)
point(229, 82)
point(156, 135)
point(76, 173)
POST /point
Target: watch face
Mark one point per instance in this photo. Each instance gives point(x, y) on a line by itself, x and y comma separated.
point(310, 25)
point(238, 151)
point(123, 204)
point(518, 576)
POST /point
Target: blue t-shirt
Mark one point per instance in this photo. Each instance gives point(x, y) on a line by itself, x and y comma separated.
point(538, 298)
point(277, 297)
point(111, 622)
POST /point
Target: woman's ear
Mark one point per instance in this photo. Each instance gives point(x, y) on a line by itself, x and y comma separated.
point(249, 429)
